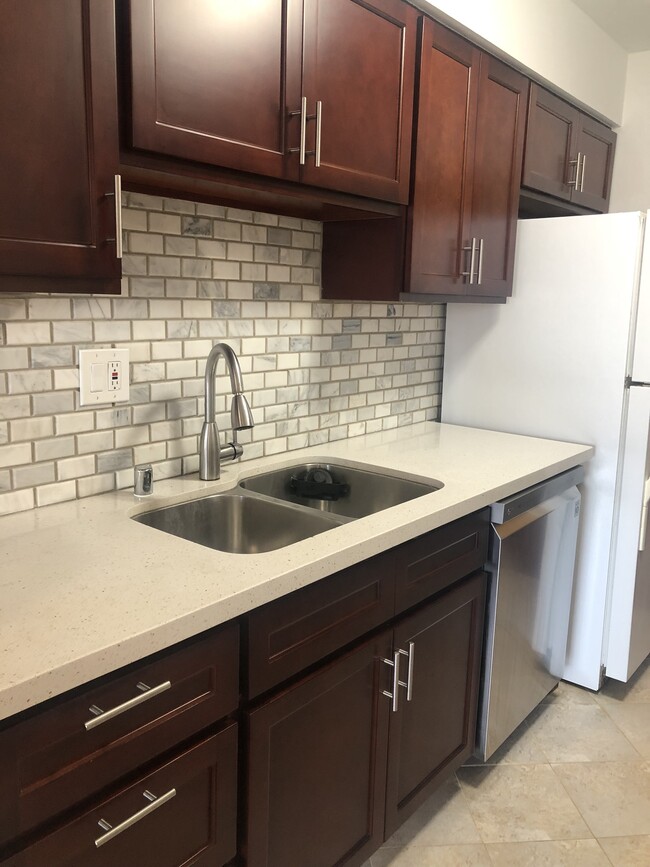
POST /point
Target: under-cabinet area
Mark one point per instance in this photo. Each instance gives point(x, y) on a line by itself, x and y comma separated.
point(406, 139)
point(338, 732)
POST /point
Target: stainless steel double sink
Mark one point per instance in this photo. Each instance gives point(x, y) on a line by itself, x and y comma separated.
point(277, 508)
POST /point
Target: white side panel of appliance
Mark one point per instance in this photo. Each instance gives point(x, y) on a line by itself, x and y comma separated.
point(628, 636)
point(641, 362)
point(552, 362)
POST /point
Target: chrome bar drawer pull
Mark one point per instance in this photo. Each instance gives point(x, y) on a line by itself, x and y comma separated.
point(480, 262)
point(117, 193)
point(408, 685)
point(575, 183)
point(101, 716)
point(319, 127)
point(112, 832)
point(394, 695)
point(472, 249)
point(582, 173)
point(302, 111)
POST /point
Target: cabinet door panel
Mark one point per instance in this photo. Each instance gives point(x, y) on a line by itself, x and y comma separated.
point(317, 766)
point(550, 144)
point(500, 131)
point(596, 143)
point(197, 825)
point(444, 156)
point(59, 146)
point(435, 732)
point(208, 81)
point(359, 61)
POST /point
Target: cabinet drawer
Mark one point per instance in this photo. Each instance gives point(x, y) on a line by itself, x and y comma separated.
point(291, 633)
point(191, 819)
point(432, 562)
point(52, 761)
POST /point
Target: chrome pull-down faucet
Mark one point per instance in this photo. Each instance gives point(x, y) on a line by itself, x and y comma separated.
point(211, 453)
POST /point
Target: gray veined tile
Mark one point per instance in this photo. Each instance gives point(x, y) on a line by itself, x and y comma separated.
point(518, 803)
point(613, 797)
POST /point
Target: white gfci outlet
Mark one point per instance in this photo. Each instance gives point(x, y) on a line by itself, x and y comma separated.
point(103, 375)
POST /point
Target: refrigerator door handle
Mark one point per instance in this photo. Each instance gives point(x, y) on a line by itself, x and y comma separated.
point(644, 515)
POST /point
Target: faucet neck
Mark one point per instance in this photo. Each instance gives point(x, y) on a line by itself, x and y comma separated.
point(234, 369)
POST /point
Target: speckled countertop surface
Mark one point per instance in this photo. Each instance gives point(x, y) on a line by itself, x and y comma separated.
point(85, 590)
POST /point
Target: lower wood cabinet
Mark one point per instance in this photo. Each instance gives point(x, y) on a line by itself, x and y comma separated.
point(355, 698)
point(317, 766)
point(433, 733)
point(182, 813)
point(340, 759)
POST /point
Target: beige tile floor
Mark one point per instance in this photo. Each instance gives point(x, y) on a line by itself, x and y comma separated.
point(571, 788)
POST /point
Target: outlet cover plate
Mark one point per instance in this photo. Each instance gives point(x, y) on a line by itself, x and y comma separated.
point(103, 376)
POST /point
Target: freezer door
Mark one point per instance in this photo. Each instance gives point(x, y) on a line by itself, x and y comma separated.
point(641, 357)
point(628, 635)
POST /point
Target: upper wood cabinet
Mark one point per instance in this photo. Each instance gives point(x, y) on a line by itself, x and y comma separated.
point(458, 241)
point(468, 153)
point(59, 147)
point(568, 155)
point(317, 91)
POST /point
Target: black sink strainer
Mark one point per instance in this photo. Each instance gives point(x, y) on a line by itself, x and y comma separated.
point(318, 483)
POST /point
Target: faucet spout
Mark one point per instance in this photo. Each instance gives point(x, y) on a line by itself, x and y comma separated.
point(211, 453)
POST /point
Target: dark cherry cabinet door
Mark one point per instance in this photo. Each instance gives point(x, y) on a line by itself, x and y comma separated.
point(194, 822)
point(469, 147)
point(317, 763)
point(209, 79)
point(434, 732)
point(500, 134)
point(59, 146)
point(550, 136)
point(596, 144)
point(568, 154)
point(359, 64)
point(444, 156)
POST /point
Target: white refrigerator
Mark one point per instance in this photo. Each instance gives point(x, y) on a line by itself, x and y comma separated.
point(568, 357)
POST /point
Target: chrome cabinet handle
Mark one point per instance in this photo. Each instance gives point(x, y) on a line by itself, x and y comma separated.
point(394, 695)
point(480, 262)
point(154, 804)
point(575, 183)
point(117, 194)
point(472, 249)
point(410, 655)
point(644, 515)
point(302, 111)
point(101, 716)
point(319, 128)
point(304, 117)
point(582, 173)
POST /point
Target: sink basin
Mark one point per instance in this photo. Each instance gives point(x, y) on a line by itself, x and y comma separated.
point(238, 523)
point(338, 490)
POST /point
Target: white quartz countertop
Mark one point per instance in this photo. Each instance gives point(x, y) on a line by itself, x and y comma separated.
point(85, 590)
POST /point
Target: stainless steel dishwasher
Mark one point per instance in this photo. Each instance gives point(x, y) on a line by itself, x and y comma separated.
point(532, 557)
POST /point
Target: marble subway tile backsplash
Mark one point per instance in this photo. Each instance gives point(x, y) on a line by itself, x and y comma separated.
point(314, 371)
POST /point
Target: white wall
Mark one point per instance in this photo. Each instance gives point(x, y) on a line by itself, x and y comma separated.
point(631, 183)
point(554, 39)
